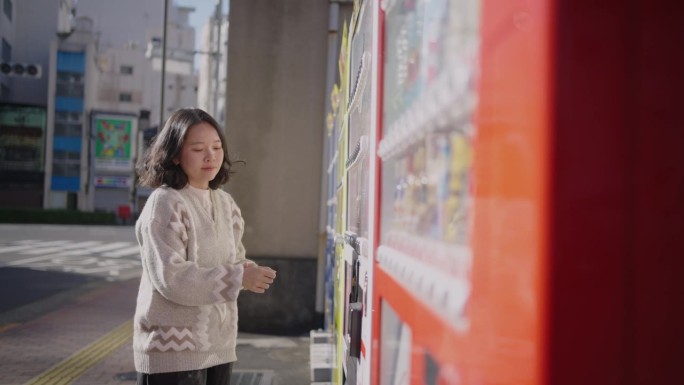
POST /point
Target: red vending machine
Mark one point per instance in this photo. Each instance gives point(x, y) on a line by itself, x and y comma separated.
point(423, 280)
point(530, 211)
point(509, 194)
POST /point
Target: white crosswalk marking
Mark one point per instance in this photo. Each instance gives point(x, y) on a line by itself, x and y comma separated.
point(27, 242)
point(121, 253)
point(25, 245)
point(110, 260)
point(107, 247)
point(60, 248)
point(10, 249)
point(48, 261)
point(89, 251)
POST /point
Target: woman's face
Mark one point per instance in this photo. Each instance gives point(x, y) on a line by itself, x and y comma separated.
point(201, 156)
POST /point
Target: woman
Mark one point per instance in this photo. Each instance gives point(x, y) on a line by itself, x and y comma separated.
point(194, 266)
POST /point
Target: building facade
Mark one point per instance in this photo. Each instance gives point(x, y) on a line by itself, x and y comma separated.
point(24, 56)
point(211, 93)
point(105, 88)
point(72, 78)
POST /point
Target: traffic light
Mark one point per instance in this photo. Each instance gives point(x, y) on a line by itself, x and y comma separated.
point(21, 70)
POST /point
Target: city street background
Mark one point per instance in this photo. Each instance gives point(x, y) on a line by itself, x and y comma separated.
point(68, 298)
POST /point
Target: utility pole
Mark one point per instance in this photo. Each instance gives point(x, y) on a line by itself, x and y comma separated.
point(217, 56)
point(163, 65)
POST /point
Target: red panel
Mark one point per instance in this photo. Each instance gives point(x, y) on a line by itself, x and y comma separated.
point(618, 215)
point(657, 234)
point(590, 195)
point(578, 234)
point(512, 182)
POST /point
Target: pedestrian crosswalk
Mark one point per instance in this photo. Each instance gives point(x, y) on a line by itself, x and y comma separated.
point(109, 260)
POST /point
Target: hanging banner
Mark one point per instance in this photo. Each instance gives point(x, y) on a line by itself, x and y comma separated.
point(113, 137)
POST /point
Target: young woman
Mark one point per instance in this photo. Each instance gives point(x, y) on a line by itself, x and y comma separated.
point(194, 266)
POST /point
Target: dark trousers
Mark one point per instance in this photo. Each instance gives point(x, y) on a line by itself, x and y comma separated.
point(216, 375)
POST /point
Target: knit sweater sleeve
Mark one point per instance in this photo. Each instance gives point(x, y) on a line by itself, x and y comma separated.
point(164, 248)
point(238, 228)
point(238, 232)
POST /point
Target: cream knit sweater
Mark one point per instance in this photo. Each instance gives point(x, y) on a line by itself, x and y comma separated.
point(186, 314)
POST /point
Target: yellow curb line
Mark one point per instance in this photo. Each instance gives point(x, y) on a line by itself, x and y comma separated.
point(72, 368)
point(7, 327)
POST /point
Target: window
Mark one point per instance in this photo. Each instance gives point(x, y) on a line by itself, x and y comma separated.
point(67, 117)
point(61, 116)
point(125, 97)
point(70, 84)
point(6, 51)
point(126, 70)
point(66, 169)
point(69, 77)
point(66, 156)
point(68, 129)
point(7, 8)
point(70, 90)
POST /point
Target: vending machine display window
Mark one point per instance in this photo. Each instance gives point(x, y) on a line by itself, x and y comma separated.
point(395, 348)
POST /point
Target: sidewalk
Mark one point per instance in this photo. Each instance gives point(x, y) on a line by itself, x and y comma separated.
point(88, 342)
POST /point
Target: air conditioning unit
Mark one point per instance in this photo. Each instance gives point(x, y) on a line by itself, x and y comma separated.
point(25, 70)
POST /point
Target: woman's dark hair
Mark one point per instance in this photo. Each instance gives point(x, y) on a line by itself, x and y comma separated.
point(157, 167)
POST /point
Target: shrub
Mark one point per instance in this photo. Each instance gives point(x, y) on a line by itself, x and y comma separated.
point(54, 216)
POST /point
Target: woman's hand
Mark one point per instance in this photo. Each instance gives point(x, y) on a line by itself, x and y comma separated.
point(257, 278)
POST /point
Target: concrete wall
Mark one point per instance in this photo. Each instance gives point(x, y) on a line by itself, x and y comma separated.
point(287, 308)
point(275, 118)
point(276, 103)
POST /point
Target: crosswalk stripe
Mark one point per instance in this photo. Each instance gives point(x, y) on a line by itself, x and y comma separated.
point(107, 247)
point(49, 250)
point(24, 245)
point(33, 260)
point(89, 251)
point(96, 258)
point(120, 253)
point(49, 261)
point(9, 249)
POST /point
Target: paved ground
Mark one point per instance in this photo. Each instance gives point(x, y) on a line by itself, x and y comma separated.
point(88, 341)
point(73, 327)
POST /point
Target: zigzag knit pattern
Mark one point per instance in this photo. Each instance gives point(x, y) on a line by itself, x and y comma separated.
point(179, 222)
point(165, 338)
point(228, 285)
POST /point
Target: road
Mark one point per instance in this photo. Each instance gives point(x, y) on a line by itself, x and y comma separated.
point(42, 266)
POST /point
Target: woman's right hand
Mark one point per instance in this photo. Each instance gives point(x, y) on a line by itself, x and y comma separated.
point(257, 278)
